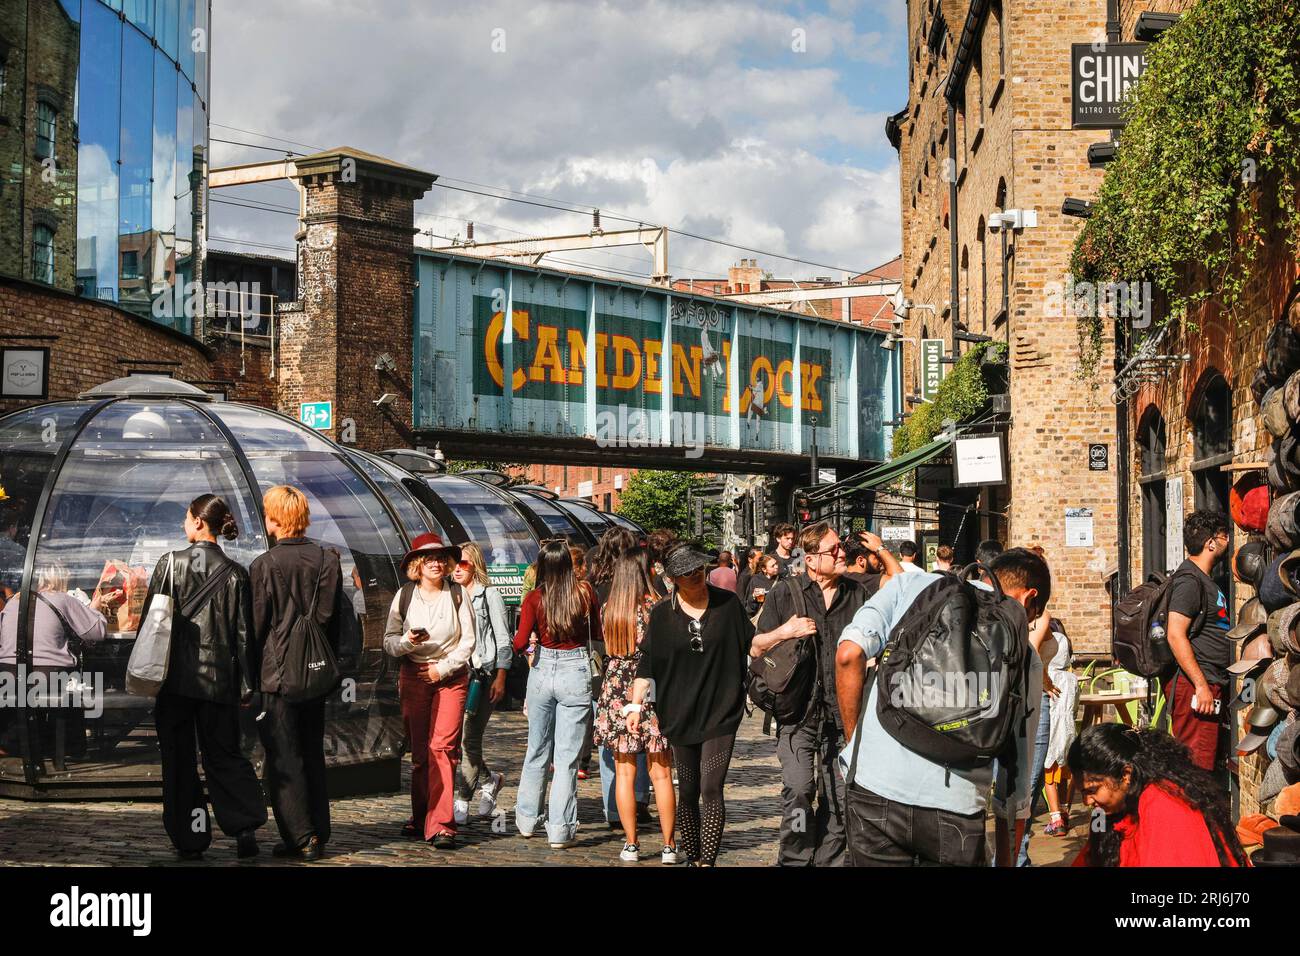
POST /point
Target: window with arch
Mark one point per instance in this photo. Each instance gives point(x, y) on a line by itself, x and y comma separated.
point(976, 85)
point(1211, 421)
point(1151, 485)
point(47, 122)
point(982, 240)
point(965, 287)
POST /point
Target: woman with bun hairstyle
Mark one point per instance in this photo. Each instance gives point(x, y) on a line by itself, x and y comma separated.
point(209, 677)
point(1161, 808)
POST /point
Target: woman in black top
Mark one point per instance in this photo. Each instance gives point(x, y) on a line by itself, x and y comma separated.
point(696, 651)
point(769, 572)
point(209, 674)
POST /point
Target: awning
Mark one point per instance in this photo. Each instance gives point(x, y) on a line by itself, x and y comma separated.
point(886, 472)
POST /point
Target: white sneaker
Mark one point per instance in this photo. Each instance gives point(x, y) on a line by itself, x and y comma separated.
point(564, 845)
point(460, 811)
point(631, 853)
point(487, 795)
point(668, 855)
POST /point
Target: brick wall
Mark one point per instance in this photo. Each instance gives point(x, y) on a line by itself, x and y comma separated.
point(568, 478)
point(31, 192)
point(88, 337)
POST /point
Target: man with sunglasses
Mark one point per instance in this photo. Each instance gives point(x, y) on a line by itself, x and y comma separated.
point(807, 750)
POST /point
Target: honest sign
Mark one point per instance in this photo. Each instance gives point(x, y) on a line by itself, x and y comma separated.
point(1099, 79)
point(931, 367)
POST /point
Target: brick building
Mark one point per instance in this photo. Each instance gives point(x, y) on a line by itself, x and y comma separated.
point(987, 130)
point(39, 53)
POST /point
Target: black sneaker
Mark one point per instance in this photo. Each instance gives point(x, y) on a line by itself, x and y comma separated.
point(443, 841)
point(312, 850)
point(246, 845)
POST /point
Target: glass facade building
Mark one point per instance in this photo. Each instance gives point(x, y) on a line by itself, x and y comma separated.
point(142, 121)
point(104, 149)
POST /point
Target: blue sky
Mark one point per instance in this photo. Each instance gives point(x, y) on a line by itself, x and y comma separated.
point(697, 115)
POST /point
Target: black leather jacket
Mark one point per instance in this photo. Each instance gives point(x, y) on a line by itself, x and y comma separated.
point(209, 653)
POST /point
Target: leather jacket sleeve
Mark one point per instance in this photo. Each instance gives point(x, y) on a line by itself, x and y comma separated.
point(243, 636)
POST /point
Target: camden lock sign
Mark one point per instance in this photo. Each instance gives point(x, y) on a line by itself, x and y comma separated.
point(1099, 80)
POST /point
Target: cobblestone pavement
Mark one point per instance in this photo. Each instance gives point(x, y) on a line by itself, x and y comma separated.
point(122, 833)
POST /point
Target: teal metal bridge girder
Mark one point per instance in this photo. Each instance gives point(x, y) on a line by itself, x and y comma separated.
point(597, 371)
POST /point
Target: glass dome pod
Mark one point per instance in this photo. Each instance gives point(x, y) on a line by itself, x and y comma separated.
point(95, 491)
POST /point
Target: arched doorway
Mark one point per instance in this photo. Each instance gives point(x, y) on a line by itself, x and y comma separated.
point(1151, 485)
point(1211, 421)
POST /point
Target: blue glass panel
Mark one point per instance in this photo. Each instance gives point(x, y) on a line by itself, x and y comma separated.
point(135, 207)
point(184, 185)
point(200, 75)
point(99, 89)
point(187, 39)
point(140, 12)
point(73, 9)
point(164, 183)
point(168, 14)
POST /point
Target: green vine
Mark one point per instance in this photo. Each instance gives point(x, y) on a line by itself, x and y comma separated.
point(962, 393)
point(1215, 117)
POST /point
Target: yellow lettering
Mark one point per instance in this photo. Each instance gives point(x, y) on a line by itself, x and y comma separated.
point(786, 368)
point(726, 364)
point(692, 370)
point(812, 401)
point(492, 348)
point(623, 346)
point(653, 349)
point(547, 356)
point(602, 340)
point(577, 356)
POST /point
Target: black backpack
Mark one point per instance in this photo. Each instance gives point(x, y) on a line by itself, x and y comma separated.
point(408, 592)
point(954, 674)
point(1140, 642)
point(309, 669)
point(782, 681)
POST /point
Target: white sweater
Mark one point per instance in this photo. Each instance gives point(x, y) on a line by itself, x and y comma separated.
point(451, 636)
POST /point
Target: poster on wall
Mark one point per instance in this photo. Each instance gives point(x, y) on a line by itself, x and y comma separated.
point(1078, 527)
point(1173, 522)
point(24, 373)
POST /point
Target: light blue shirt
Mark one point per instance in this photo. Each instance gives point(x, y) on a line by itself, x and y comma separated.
point(890, 770)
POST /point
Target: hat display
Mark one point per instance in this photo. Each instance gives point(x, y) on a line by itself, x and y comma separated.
point(1252, 619)
point(1282, 529)
point(1288, 750)
point(1255, 654)
point(1273, 408)
point(1293, 685)
point(1282, 351)
point(1249, 500)
point(1281, 847)
point(1278, 479)
point(1280, 625)
point(1273, 594)
point(1251, 828)
point(1272, 784)
point(682, 560)
point(1262, 716)
point(429, 545)
point(1273, 684)
point(1288, 801)
point(1270, 746)
point(1291, 398)
point(1249, 562)
point(1289, 572)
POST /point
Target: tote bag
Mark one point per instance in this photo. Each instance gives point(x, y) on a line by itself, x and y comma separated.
point(147, 667)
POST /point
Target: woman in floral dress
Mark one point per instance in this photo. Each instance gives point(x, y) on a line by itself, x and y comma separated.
point(624, 619)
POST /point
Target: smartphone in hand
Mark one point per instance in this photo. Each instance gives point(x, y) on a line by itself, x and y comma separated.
point(419, 635)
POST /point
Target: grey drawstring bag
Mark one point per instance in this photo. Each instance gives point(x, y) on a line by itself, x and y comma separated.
point(147, 668)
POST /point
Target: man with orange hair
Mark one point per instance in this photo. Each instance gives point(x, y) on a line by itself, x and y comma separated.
point(295, 578)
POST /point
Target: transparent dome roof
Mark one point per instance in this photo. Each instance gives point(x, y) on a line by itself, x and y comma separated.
point(97, 490)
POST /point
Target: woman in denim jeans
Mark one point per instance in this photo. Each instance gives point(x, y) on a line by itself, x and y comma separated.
point(565, 614)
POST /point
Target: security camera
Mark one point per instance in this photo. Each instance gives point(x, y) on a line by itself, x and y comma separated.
point(1077, 207)
point(386, 399)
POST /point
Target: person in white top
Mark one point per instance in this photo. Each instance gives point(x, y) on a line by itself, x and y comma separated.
point(431, 629)
point(907, 555)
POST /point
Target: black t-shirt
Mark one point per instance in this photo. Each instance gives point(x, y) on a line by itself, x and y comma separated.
point(1192, 594)
point(783, 564)
point(699, 695)
point(779, 607)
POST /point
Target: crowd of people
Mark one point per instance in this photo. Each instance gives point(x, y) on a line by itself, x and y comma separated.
point(642, 651)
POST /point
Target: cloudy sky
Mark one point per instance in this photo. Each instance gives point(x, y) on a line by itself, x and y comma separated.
point(759, 123)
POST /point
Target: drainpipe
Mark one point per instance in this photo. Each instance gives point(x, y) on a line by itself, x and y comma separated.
point(1122, 462)
point(953, 291)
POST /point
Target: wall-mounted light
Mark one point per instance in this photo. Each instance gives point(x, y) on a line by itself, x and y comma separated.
point(1077, 207)
point(386, 399)
point(1151, 25)
point(1099, 154)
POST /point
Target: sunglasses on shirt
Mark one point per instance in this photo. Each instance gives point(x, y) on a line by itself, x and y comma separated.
point(697, 639)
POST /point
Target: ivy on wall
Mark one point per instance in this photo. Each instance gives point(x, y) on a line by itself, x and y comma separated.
point(961, 394)
point(1212, 141)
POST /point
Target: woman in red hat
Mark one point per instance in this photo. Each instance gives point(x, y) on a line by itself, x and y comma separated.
point(431, 629)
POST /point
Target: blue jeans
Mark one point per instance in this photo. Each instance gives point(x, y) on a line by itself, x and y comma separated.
point(1036, 782)
point(559, 707)
point(607, 774)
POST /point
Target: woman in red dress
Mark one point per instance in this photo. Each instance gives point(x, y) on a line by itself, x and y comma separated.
point(1161, 809)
